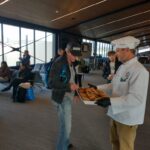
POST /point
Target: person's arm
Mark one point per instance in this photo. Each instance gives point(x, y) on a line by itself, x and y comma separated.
point(107, 88)
point(137, 93)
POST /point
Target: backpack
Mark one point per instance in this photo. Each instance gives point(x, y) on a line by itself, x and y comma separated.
point(20, 95)
point(48, 71)
point(59, 74)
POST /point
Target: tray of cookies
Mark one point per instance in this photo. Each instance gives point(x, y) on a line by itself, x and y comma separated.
point(90, 95)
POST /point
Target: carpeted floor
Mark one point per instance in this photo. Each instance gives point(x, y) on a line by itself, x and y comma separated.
point(33, 125)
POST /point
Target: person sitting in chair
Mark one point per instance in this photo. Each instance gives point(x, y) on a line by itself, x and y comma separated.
point(23, 76)
point(4, 72)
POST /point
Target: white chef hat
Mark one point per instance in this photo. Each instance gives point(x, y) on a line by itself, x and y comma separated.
point(126, 42)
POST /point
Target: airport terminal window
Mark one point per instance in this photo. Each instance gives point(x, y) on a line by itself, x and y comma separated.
point(103, 48)
point(11, 39)
point(99, 49)
point(50, 42)
point(0, 44)
point(27, 40)
point(39, 46)
point(143, 49)
point(106, 49)
point(93, 45)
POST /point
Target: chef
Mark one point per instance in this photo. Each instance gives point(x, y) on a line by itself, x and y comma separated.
point(128, 94)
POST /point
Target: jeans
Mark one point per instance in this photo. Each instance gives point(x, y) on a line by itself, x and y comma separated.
point(64, 114)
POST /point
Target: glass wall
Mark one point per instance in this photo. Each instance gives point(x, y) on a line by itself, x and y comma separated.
point(50, 46)
point(39, 46)
point(17, 39)
point(27, 42)
point(143, 49)
point(103, 48)
point(93, 45)
point(11, 41)
point(0, 44)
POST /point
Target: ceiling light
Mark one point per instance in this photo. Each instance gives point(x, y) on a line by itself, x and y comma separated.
point(74, 12)
point(57, 11)
point(3, 2)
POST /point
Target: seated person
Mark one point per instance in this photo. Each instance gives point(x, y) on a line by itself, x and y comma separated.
point(26, 58)
point(4, 72)
point(23, 76)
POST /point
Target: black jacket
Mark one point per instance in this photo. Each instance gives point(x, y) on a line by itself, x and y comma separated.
point(59, 78)
point(106, 69)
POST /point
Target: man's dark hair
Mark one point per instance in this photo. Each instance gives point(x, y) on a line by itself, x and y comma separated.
point(111, 53)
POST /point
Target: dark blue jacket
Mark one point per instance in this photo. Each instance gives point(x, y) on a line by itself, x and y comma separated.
point(59, 78)
point(25, 60)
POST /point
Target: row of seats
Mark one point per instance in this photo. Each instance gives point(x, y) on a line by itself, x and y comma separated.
point(41, 72)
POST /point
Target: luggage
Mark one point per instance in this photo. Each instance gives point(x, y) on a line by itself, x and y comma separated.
point(30, 94)
point(20, 95)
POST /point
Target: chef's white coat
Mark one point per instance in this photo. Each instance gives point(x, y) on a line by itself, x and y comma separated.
point(128, 93)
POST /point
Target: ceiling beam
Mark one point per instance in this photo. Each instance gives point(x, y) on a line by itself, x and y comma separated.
point(147, 39)
point(144, 44)
point(121, 32)
point(107, 14)
point(143, 35)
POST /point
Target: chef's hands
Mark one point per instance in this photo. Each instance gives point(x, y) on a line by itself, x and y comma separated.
point(104, 102)
point(92, 86)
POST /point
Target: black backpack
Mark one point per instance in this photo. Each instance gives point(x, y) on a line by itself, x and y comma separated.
point(20, 95)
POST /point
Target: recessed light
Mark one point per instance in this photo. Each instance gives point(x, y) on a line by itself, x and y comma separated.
point(79, 10)
point(57, 11)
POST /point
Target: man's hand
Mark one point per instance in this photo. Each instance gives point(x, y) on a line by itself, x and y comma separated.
point(110, 77)
point(104, 102)
point(73, 86)
point(92, 86)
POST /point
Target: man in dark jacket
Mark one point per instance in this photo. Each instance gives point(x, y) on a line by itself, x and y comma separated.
point(62, 81)
point(110, 66)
